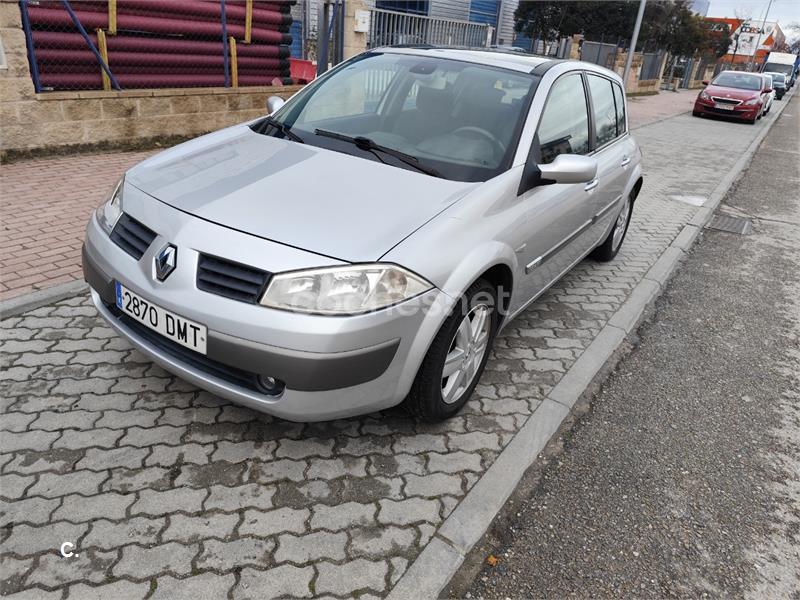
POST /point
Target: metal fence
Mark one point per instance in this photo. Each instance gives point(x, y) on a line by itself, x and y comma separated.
point(651, 65)
point(130, 44)
point(599, 53)
point(389, 28)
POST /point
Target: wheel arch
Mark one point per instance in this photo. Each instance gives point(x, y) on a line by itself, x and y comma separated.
point(501, 277)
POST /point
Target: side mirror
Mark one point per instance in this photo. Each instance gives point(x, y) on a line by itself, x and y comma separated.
point(569, 168)
point(706, 82)
point(274, 103)
point(767, 90)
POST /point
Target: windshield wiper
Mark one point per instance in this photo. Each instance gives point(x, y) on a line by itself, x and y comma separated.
point(284, 129)
point(364, 143)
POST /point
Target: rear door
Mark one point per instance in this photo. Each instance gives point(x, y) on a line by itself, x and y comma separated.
point(613, 149)
point(558, 216)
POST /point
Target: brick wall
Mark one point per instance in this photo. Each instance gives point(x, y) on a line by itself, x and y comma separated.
point(53, 120)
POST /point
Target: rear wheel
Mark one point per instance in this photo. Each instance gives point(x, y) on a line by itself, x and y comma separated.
point(611, 245)
point(456, 359)
point(696, 113)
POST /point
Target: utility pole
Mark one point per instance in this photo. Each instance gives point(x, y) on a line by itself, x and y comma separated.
point(758, 39)
point(634, 39)
point(736, 43)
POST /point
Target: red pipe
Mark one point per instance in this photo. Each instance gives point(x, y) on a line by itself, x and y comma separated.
point(64, 40)
point(116, 59)
point(55, 18)
point(190, 9)
point(85, 81)
point(152, 69)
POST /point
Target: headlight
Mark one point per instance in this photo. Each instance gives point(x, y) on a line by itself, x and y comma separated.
point(752, 101)
point(704, 95)
point(343, 290)
point(110, 210)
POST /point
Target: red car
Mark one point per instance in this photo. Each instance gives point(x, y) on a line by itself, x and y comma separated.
point(733, 94)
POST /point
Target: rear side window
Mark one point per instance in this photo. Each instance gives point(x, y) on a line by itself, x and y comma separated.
point(605, 111)
point(564, 126)
point(619, 100)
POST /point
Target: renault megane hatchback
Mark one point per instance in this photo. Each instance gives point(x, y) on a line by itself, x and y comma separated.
point(363, 244)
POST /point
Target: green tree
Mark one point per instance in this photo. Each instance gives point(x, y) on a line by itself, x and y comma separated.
point(667, 25)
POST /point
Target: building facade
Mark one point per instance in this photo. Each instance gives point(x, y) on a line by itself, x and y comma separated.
point(750, 41)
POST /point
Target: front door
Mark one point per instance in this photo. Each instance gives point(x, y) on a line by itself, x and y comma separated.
point(558, 216)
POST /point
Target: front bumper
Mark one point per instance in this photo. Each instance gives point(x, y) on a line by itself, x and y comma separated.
point(333, 367)
point(739, 112)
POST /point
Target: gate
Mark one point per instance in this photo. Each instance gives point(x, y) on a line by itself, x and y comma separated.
point(390, 28)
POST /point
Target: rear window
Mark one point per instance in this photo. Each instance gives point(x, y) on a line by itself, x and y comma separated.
point(605, 111)
point(619, 99)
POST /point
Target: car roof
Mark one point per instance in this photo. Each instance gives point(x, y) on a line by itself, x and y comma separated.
point(496, 57)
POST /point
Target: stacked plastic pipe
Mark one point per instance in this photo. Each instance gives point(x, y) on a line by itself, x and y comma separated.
point(154, 43)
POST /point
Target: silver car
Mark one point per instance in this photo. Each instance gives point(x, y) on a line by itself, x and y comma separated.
point(363, 244)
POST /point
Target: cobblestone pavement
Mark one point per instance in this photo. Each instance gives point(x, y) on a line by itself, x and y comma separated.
point(168, 491)
point(47, 201)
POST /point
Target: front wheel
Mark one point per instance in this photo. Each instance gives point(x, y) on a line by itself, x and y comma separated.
point(456, 358)
point(611, 245)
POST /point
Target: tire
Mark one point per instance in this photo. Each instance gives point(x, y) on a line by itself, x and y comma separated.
point(696, 113)
point(606, 251)
point(428, 398)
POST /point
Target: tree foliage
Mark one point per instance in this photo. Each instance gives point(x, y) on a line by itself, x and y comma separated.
point(667, 24)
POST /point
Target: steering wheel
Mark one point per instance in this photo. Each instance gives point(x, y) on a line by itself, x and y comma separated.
point(487, 134)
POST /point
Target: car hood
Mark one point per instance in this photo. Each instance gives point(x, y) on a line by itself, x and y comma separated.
point(345, 207)
point(734, 93)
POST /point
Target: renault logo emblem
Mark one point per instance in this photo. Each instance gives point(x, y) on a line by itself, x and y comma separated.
point(165, 261)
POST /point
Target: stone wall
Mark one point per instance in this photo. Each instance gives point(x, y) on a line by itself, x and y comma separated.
point(31, 122)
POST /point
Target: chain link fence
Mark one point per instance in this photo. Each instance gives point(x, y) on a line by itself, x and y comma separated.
point(135, 44)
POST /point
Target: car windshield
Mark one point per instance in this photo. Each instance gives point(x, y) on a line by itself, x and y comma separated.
point(780, 68)
point(457, 119)
point(742, 81)
point(778, 78)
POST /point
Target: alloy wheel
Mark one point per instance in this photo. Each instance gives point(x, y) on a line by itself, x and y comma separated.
point(622, 223)
point(466, 353)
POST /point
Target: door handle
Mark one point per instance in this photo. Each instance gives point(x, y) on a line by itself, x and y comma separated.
point(625, 161)
point(591, 185)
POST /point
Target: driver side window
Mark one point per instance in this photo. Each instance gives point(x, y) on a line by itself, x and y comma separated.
point(564, 125)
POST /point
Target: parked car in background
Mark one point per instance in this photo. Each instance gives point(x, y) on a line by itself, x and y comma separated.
point(363, 244)
point(782, 62)
point(769, 92)
point(778, 84)
point(733, 94)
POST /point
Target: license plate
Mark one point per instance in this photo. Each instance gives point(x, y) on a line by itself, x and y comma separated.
point(724, 106)
point(174, 327)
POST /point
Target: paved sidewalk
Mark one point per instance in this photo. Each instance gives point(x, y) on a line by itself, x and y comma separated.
point(162, 486)
point(47, 202)
point(644, 110)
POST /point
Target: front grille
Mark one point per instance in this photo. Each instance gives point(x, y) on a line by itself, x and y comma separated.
point(230, 279)
point(188, 357)
point(133, 237)
point(726, 100)
point(722, 111)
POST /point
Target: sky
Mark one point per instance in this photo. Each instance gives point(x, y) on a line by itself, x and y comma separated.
point(783, 11)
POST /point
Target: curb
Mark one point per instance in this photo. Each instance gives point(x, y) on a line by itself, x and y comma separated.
point(435, 566)
point(16, 306)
